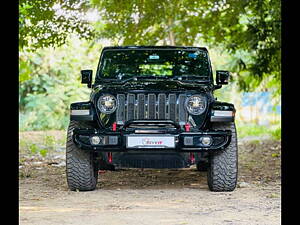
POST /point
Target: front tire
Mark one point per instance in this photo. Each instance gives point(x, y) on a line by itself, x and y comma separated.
point(81, 170)
point(223, 168)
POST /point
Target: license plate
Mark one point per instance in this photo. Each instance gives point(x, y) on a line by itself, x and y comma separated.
point(150, 142)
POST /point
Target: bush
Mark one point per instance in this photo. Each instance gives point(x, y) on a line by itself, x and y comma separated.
point(53, 84)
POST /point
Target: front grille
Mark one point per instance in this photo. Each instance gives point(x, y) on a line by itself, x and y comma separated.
point(151, 106)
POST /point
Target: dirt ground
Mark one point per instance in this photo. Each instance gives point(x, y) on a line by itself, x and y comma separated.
point(135, 196)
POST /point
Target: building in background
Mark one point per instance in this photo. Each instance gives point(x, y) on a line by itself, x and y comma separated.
point(257, 107)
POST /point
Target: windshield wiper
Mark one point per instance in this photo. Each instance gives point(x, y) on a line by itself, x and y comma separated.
point(152, 77)
point(143, 77)
point(195, 78)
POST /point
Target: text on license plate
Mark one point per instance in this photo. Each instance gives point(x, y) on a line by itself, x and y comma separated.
point(150, 142)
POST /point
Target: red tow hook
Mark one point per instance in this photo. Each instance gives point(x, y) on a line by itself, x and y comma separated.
point(114, 126)
point(187, 127)
point(109, 155)
point(192, 158)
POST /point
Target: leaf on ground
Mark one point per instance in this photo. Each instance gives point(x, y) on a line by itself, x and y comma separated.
point(275, 155)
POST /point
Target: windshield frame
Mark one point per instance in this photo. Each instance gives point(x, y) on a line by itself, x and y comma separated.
point(98, 78)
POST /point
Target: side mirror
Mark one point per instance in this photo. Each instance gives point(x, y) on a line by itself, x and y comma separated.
point(86, 77)
point(222, 77)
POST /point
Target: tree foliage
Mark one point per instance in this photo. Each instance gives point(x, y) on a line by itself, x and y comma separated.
point(249, 30)
point(44, 100)
point(44, 23)
point(248, 27)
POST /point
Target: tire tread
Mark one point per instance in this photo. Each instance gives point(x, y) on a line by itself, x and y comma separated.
point(80, 168)
point(223, 169)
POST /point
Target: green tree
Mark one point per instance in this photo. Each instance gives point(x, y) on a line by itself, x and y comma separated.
point(55, 83)
point(44, 23)
point(249, 30)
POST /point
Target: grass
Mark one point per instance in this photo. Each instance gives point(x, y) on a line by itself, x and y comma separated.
point(273, 131)
point(252, 130)
point(40, 143)
point(276, 134)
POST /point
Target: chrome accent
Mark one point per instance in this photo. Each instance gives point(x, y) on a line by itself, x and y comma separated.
point(80, 112)
point(222, 113)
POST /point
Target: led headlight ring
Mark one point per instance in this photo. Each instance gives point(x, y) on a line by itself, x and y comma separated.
point(107, 103)
point(196, 104)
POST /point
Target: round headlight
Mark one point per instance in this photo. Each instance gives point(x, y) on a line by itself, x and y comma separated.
point(107, 104)
point(196, 104)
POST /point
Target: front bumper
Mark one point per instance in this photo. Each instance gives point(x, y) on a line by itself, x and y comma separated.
point(117, 141)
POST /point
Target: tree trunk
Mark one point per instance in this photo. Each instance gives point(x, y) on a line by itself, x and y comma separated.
point(171, 33)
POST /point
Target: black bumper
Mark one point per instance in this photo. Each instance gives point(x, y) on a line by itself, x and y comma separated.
point(116, 141)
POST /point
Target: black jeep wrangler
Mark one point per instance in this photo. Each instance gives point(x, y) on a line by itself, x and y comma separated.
point(152, 107)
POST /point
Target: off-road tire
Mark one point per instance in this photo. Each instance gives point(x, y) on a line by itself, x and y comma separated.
point(81, 171)
point(223, 169)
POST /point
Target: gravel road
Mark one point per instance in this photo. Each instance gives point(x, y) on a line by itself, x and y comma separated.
point(163, 197)
point(247, 205)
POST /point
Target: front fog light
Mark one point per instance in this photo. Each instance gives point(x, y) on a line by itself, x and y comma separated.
point(206, 141)
point(95, 140)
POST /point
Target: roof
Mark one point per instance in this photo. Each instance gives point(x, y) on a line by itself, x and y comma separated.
point(154, 47)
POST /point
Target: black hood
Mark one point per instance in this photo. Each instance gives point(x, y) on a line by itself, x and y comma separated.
point(153, 85)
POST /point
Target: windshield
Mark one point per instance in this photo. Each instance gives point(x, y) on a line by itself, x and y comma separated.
point(154, 63)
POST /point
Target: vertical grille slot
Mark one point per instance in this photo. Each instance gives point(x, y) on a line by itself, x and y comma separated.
point(120, 109)
point(151, 106)
point(182, 114)
point(141, 106)
point(130, 106)
point(162, 106)
point(172, 107)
